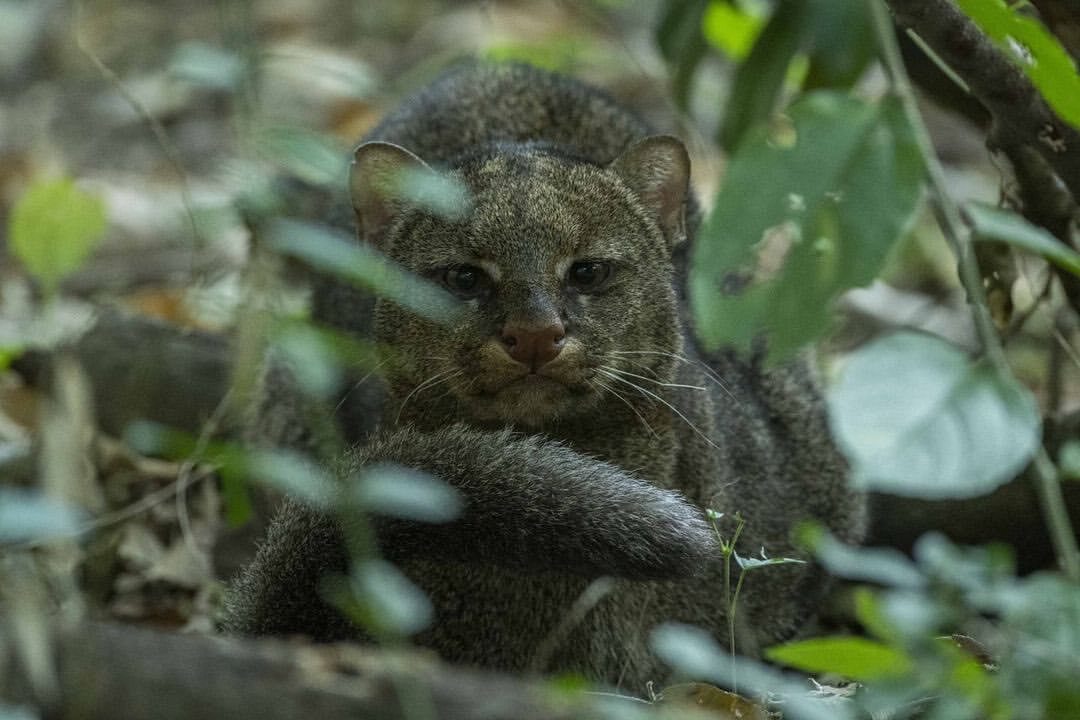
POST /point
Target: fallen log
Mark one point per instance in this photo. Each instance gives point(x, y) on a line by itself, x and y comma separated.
point(123, 672)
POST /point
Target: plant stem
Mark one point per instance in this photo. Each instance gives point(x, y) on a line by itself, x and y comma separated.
point(958, 235)
point(1048, 485)
point(948, 215)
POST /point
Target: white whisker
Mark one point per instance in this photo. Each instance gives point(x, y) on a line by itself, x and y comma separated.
point(656, 397)
point(358, 383)
point(432, 381)
point(604, 386)
point(709, 372)
point(658, 382)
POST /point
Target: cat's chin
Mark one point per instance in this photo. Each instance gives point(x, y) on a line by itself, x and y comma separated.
point(531, 401)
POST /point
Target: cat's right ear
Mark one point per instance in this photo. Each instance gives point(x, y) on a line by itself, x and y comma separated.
point(378, 179)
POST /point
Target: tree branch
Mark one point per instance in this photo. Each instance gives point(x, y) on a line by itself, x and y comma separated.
point(1020, 115)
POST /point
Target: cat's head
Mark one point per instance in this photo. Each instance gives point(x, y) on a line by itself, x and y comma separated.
point(561, 270)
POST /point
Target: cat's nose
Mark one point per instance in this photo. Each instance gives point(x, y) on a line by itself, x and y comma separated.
point(534, 345)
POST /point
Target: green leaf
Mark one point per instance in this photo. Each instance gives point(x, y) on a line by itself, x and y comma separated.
point(682, 43)
point(8, 355)
point(1069, 460)
point(231, 460)
point(296, 475)
point(869, 613)
point(843, 43)
point(915, 417)
point(332, 252)
point(18, 712)
point(562, 53)
point(53, 229)
point(207, 66)
point(752, 563)
point(731, 29)
point(313, 157)
point(236, 496)
point(800, 220)
point(309, 358)
point(852, 657)
point(1037, 52)
point(405, 493)
point(759, 81)
point(885, 566)
point(990, 223)
point(693, 653)
point(391, 601)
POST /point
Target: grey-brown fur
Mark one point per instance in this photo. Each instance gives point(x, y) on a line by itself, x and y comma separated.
point(581, 475)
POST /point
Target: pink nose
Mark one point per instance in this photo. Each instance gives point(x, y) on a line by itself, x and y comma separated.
point(534, 346)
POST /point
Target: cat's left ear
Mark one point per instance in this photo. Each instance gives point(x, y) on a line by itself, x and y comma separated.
point(657, 170)
point(378, 180)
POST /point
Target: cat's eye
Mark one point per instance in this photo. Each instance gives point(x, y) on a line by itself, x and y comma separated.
point(588, 276)
point(466, 281)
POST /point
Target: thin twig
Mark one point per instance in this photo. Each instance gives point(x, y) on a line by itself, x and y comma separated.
point(168, 148)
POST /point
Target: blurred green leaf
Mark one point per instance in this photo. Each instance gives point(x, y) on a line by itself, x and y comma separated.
point(54, 227)
point(884, 566)
point(207, 66)
point(1040, 670)
point(682, 44)
point(693, 653)
point(1035, 50)
point(405, 493)
point(437, 193)
point(392, 603)
point(8, 354)
point(869, 613)
point(990, 223)
point(27, 515)
point(759, 81)
point(332, 252)
point(17, 712)
point(915, 417)
point(1069, 460)
point(317, 355)
point(235, 495)
point(855, 658)
point(295, 474)
point(802, 217)
point(309, 358)
point(559, 54)
point(731, 28)
point(313, 157)
point(230, 460)
point(842, 46)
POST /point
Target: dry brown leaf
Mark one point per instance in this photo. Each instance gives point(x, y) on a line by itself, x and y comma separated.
point(721, 703)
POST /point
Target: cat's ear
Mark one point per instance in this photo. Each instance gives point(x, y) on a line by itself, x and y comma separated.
point(378, 184)
point(657, 170)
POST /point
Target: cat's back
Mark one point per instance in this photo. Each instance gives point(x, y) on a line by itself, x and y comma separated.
point(476, 104)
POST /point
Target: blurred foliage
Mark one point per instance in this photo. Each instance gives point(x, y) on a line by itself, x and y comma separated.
point(820, 187)
point(917, 418)
point(54, 228)
point(1038, 53)
point(807, 210)
point(823, 180)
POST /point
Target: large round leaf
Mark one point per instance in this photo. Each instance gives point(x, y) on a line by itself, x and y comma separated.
point(916, 417)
